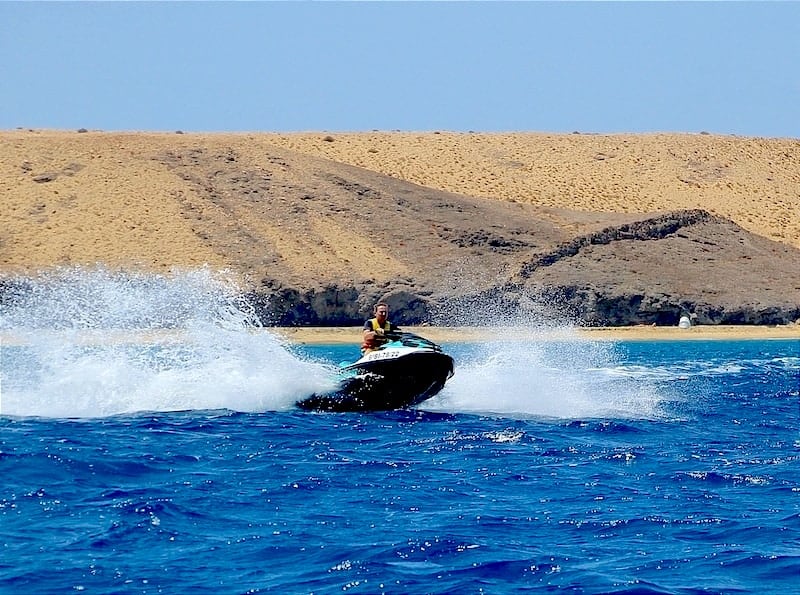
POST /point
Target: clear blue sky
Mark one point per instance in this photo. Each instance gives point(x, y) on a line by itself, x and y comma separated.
point(730, 68)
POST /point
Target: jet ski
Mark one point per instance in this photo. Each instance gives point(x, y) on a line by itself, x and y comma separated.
point(402, 373)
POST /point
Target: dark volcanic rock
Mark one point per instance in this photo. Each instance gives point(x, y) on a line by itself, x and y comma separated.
point(651, 271)
point(656, 228)
point(655, 270)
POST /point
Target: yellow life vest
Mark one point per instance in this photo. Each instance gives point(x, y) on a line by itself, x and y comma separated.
point(377, 341)
point(387, 326)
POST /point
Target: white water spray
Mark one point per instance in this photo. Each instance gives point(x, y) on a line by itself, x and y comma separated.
point(536, 365)
point(93, 343)
point(558, 375)
point(90, 343)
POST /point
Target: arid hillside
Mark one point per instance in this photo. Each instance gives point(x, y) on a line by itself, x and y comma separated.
point(606, 229)
point(755, 182)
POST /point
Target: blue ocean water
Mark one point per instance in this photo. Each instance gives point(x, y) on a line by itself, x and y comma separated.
point(147, 446)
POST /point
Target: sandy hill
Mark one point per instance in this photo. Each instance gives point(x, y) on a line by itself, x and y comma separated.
point(753, 181)
point(318, 226)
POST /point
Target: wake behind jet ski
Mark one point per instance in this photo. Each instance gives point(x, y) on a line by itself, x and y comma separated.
point(401, 373)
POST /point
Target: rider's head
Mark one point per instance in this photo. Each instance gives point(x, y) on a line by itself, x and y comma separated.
point(381, 311)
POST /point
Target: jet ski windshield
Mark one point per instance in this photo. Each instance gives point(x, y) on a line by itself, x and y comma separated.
point(397, 338)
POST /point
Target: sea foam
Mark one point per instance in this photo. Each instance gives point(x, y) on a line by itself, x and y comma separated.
point(89, 343)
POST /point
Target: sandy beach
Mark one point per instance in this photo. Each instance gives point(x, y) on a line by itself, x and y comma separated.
point(443, 335)
point(341, 335)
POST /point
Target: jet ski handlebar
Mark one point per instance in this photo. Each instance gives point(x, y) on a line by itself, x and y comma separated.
point(411, 340)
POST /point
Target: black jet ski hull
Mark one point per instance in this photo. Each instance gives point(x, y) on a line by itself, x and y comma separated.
point(386, 384)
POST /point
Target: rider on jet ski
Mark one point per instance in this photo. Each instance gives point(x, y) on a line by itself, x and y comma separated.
point(375, 329)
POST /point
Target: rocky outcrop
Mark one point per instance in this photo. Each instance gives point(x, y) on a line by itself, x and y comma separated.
point(655, 228)
point(609, 308)
point(651, 271)
point(573, 303)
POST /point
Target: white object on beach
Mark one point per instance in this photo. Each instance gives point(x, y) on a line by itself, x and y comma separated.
point(685, 322)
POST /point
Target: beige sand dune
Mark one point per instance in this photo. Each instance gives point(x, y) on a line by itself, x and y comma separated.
point(79, 198)
point(753, 181)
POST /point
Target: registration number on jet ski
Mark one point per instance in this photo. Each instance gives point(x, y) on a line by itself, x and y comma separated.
point(378, 355)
